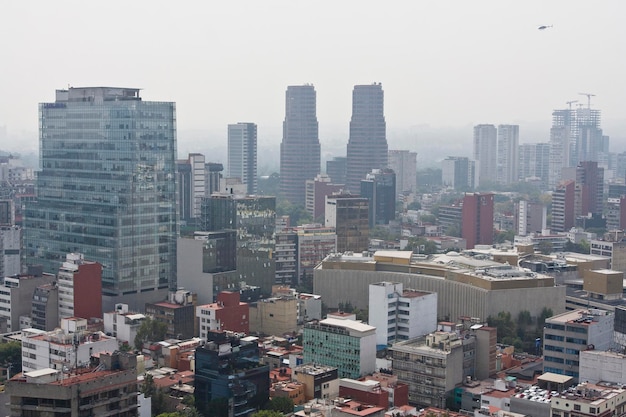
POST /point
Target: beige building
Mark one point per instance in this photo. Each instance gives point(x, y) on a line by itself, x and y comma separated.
point(274, 316)
point(321, 382)
point(432, 366)
point(465, 286)
point(589, 400)
point(603, 284)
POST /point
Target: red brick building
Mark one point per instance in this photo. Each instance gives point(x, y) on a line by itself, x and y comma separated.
point(477, 219)
point(228, 313)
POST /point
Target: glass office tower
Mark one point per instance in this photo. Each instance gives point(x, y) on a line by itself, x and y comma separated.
point(106, 188)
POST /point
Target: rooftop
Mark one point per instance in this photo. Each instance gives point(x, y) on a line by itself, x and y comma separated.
point(348, 324)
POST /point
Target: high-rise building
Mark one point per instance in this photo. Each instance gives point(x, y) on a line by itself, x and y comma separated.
point(191, 186)
point(300, 148)
point(379, 187)
point(213, 175)
point(336, 169)
point(367, 146)
point(508, 143)
point(314, 243)
point(107, 189)
point(530, 217)
point(242, 154)
point(316, 191)
point(534, 163)
point(485, 152)
point(349, 215)
point(589, 188)
point(254, 219)
point(561, 134)
point(404, 164)
point(459, 173)
point(477, 219)
point(576, 136)
point(563, 201)
point(79, 283)
point(10, 240)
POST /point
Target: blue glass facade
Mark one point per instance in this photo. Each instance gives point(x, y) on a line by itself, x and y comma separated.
point(106, 188)
point(228, 368)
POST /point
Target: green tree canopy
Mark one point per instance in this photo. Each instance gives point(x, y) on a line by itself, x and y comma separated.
point(267, 413)
point(151, 330)
point(282, 404)
point(11, 355)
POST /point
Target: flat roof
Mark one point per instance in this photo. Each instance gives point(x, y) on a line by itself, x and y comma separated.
point(348, 324)
point(41, 372)
point(551, 377)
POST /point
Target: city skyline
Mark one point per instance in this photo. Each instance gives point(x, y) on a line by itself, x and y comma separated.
point(422, 56)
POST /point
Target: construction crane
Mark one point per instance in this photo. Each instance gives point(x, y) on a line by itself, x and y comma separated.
point(588, 98)
point(569, 103)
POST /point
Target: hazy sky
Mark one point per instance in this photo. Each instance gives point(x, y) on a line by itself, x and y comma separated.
point(442, 63)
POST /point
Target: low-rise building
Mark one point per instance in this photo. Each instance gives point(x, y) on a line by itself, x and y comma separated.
point(177, 313)
point(61, 349)
point(109, 388)
point(346, 344)
point(566, 335)
point(589, 400)
point(122, 323)
point(228, 313)
point(321, 382)
point(274, 315)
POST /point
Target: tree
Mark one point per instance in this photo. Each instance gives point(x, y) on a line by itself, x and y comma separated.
point(545, 247)
point(11, 356)
point(421, 245)
point(150, 390)
point(151, 330)
point(504, 324)
point(297, 214)
point(268, 413)
point(428, 218)
point(282, 404)
point(416, 205)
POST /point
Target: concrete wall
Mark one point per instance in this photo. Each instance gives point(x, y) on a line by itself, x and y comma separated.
point(454, 298)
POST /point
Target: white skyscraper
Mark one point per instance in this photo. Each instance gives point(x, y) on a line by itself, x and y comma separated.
point(242, 154)
point(485, 152)
point(404, 164)
point(508, 142)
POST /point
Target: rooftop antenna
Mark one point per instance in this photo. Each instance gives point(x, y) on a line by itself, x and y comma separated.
point(588, 98)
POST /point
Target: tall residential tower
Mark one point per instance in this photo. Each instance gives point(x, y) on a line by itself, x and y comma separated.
point(485, 153)
point(242, 154)
point(107, 189)
point(300, 148)
point(367, 146)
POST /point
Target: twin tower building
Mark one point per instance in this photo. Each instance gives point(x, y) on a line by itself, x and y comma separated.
point(300, 148)
point(106, 186)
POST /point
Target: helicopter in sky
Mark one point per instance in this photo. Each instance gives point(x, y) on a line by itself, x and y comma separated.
point(544, 27)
